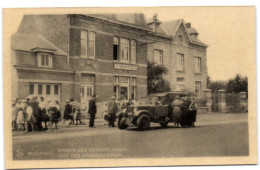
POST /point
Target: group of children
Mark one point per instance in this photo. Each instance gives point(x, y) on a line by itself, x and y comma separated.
point(30, 112)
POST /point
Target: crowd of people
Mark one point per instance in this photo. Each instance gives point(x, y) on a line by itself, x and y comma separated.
point(33, 113)
point(184, 110)
point(29, 113)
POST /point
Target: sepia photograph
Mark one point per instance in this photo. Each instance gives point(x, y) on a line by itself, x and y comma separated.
point(150, 86)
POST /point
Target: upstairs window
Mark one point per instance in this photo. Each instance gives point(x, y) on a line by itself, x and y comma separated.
point(115, 48)
point(87, 43)
point(124, 50)
point(180, 62)
point(133, 51)
point(44, 60)
point(158, 57)
point(197, 64)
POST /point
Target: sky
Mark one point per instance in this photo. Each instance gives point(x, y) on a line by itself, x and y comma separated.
point(228, 32)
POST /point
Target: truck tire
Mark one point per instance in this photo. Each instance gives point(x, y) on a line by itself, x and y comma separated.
point(120, 124)
point(143, 122)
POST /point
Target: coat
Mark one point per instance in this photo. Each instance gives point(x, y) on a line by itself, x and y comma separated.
point(55, 114)
point(92, 107)
point(67, 112)
point(112, 108)
point(176, 104)
point(14, 113)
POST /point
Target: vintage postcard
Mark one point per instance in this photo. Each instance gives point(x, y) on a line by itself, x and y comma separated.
point(109, 87)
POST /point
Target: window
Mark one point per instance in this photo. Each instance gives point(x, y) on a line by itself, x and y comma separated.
point(180, 84)
point(86, 91)
point(44, 60)
point(133, 92)
point(133, 51)
point(124, 50)
point(48, 89)
point(180, 62)
point(83, 43)
point(197, 64)
point(91, 45)
point(56, 89)
point(180, 38)
point(197, 88)
point(31, 88)
point(82, 91)
point(158, 56)
point(89, 91)
point(87, 44)
point(133, 80)
point(115, 48)
point(39, 89)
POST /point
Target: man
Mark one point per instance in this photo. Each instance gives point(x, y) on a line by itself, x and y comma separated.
point(92, 110)
point(29, 119)
point(112, 110)
point(67, 114)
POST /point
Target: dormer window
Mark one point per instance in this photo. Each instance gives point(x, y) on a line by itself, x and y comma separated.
point(44, 59)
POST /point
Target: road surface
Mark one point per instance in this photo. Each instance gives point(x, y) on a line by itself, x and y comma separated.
point(214, 135)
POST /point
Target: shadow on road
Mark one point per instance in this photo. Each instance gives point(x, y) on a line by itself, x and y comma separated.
point(134, 129)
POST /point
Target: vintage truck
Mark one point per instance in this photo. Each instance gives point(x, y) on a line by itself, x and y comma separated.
point(154, 108)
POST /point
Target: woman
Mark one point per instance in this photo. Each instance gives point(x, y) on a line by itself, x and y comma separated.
point(176, 116)
point(193, 108)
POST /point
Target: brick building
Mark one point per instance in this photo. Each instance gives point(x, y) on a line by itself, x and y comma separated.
point(75, 56)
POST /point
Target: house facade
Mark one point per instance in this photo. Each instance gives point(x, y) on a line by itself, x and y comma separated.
point(75, 56)
point(182, 53)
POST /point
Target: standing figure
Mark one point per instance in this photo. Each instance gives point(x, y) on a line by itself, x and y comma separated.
point(193, 109)
point(186, 119)
point(14, 115)
point(21, 109)
point(176, 116)
point(54, 115)
point(29, 118)
point(112, 110)
point(43, 116)
point(35, 107)
point(92, 111)
point(67, 114)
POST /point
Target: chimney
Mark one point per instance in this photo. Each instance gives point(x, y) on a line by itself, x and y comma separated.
point(154, 23)
point(188, 25)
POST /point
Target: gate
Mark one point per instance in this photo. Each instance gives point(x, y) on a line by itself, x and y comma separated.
point(214, 99)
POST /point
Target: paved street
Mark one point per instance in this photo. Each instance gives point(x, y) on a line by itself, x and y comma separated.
point(214, 135)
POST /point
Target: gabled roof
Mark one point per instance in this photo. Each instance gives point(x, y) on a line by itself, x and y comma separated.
point(171, 28)
point(33, 43)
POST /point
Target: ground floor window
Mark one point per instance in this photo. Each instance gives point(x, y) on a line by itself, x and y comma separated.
point(197, 88)
point(125, 88)
point(180, 84)
point(48, 91)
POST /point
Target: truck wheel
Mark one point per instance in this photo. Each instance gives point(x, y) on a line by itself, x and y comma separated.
point(120, 124)
point(164, 124)
point(143, 122)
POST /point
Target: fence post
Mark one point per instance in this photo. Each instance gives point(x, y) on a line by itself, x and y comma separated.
point(242, 100)
point(207, 96)
point(222, 100)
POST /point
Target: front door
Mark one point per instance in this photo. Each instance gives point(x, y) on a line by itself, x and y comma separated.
point(86, 91)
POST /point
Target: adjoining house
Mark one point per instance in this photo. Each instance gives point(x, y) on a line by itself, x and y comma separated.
point(75, 56)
